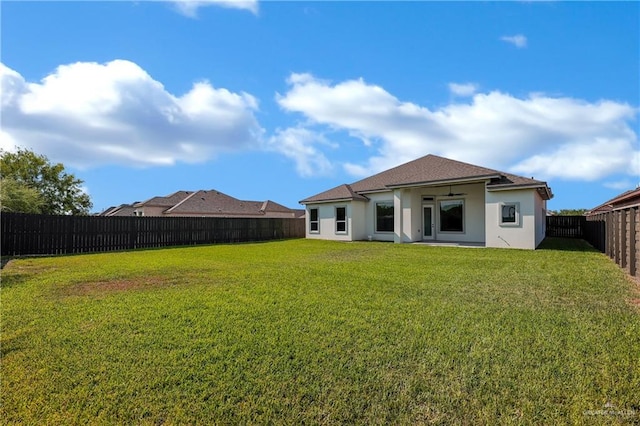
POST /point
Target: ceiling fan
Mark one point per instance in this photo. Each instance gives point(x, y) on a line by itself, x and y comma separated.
point(454, 194)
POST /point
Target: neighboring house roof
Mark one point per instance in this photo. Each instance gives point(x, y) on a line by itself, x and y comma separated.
point(215, 202)
point(108, 211)
point(626, 199)
point(206, 203)
point(428, 170)
point(272, 206)
point(168, 201)
point(121, 210)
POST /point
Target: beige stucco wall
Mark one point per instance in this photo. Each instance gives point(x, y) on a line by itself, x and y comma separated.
point(541, 218)
point(528, 233)
point(370, 217)
point(357, 214)
point(327, 219)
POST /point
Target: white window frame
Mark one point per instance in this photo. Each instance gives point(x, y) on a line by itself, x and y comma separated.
point(440, 215)
point(516, 206)
point(317, 221)
point(387, 203)
point(341, 221)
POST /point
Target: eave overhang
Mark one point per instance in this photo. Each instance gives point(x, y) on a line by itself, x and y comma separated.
point(543, 190)
point(333, 200)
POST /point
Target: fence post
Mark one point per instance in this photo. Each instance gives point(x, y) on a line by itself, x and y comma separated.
point(623, 239)
point(132, 234)
point(632, 240)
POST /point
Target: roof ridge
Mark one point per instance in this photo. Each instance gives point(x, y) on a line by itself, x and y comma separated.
point(182, 201)
point(142, 203)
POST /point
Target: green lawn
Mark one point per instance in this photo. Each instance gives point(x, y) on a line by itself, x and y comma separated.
point(320, 332)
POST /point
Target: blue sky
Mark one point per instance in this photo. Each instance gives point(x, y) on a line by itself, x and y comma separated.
point(282, 100)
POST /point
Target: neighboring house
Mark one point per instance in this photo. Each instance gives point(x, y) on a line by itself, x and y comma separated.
point(626, 199)
point(433, 199)
point(203, 204)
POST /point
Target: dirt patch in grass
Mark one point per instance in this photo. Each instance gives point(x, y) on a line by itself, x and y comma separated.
point(30, 267)
point(103, 288)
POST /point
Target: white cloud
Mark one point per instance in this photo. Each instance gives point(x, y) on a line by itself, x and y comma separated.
point(298, 144)
point(115, 113)
point(585, 160)
point(619, 185)
point(518, 40)
point(464, 89)
point(539, 136)
point(190, 7)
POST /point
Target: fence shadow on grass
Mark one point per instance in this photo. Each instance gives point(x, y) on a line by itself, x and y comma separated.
point(566, 244)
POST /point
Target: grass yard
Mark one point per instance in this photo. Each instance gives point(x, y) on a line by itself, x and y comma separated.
point(320, 332)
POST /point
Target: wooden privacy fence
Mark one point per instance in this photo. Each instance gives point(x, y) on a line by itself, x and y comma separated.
point(615, 233)
point(565, 226)
point(619, 237)
point(27, 234)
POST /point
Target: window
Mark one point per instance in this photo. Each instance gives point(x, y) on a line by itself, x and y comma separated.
point(314, 223)
point(510, 214)
point(452, 216)
point(384, 216)
point(341, 220)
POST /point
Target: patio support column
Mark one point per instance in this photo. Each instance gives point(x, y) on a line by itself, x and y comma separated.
point(397, 216)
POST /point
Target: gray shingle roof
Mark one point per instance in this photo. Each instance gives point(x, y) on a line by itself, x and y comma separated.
point(207, 203)
point(430, 169)
point(168, 201)
point(121, 210)
point(214, 202)
point(339, 193)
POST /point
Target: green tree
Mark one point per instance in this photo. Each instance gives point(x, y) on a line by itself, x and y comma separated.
point(569, 212)
point(18, 197)
point(60, 192)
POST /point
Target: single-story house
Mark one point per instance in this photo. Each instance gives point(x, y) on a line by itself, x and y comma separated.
point(433, 199)
point(203, 203)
